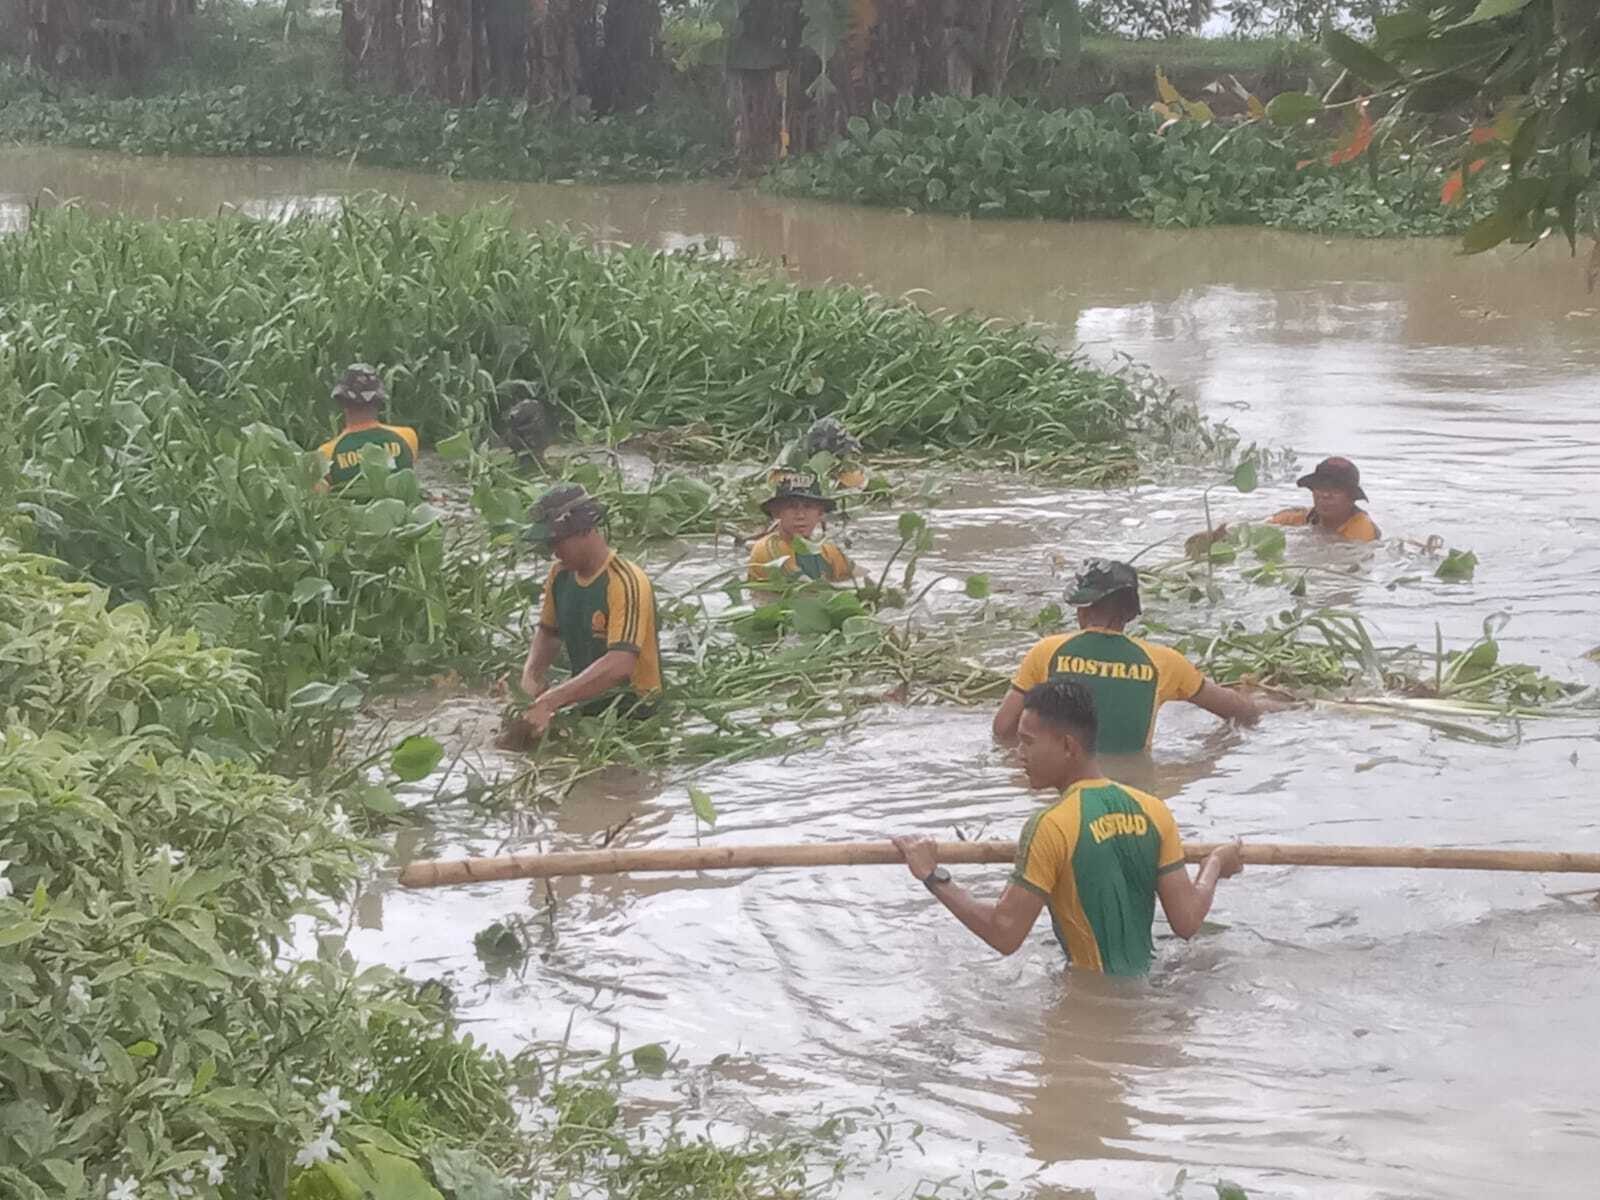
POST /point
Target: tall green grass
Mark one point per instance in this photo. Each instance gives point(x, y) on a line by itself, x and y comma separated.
point(991, 157)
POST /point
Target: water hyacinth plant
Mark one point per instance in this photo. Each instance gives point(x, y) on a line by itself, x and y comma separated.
point(991, 156)
point(167, 398)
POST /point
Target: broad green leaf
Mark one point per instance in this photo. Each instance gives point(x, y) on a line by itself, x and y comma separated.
point(910, 524)
point(311, 588)
point(651, 1059)
point(1489, 10)
point(1488, 232)
point(1244, 476)
point(1228, 1190)
point(454, 448)
point(467, 1176)
point(26, 1051)
point(810, 615)
point(1292, 108)
point(19, 931)
point(1360, 60)
point(416, 758)
point(701, 803)
point(144, 1048)
point(374, 797)
point(1457, 565)
point(68, 1176)
point(978, 587)
point(203, 1076)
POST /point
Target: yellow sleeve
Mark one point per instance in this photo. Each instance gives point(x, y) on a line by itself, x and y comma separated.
point(1289, 516)
point(630, 608)
point(1176, 677)
point(1360, 528)
point(759, 571)
point(547, 605)
point(839, 567)
point(409, 436)
point(1035, 666)
point(327, 448)
point(1042, 854)
point(1170, 857)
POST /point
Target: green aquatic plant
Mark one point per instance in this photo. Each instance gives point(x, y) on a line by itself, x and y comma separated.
point(492, 139)
point(989, 156)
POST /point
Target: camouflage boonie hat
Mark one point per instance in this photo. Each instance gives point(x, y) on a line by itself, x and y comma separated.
point(1102, 577)
point(798, 485)
point(827, 434)
point(361, 384)
point(562, 511)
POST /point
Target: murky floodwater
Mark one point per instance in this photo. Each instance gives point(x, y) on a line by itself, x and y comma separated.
point(1340, 1033)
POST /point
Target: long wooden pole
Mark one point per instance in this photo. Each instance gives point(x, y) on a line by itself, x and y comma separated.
point(446, 873)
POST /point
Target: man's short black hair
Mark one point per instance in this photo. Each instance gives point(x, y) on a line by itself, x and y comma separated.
point(1066, 705)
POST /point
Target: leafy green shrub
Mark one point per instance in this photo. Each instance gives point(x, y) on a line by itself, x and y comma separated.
point(493, 139)
point(999, 157)
point(155, 1030)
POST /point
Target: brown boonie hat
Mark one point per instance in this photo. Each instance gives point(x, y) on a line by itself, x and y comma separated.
point(1335, 472)
point(361, 384)
point(562, 511)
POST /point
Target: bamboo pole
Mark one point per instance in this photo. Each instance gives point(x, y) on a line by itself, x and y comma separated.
point(447, 873)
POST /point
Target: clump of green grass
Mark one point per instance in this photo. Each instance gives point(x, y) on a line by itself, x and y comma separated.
point(1000, 157)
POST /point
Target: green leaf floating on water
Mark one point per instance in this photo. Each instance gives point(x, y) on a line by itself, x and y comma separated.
point(651, 1059)
point(1228, 1190)
point(703, 808)
point(1457, 565)
point(978, 587)
point(1244, 476)
point(415, 758)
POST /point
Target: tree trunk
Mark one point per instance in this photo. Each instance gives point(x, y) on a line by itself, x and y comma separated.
point(757, 114)
point(453, 75)
point(554, 59)
point(630, 57)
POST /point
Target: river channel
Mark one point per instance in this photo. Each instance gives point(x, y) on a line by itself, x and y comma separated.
point(1348, 1034)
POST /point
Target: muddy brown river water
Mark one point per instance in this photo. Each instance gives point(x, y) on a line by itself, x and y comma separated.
point(1333, 1034)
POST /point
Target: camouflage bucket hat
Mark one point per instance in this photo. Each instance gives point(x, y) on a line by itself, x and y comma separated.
point(826, 434)
point(562, 511)
point(360, 384)
point(1102, 577)
point(797, 485)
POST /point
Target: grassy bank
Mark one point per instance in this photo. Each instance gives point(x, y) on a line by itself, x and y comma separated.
point(990, 157)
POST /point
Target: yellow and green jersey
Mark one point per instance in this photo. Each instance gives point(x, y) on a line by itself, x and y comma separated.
point(1358, 527)
point(615, 609)
point(1129, 678)
point(343, 453)
point(1094, 857)
point(774, 557)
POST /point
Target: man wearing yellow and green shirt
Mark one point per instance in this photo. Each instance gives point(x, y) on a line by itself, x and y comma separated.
point(1129, 677)
point(360, 394)
point(598, 607)
point(1099, 858)
point(788, 554)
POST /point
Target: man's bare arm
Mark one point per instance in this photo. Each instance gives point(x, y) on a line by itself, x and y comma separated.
point(1003, 924)
point(1227, 703)
point(1007, 718)
point(541, 653)
point(1187, 901)
point(606, 672)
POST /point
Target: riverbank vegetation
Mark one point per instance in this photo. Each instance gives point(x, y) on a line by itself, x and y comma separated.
point(991, 157)
point(1005, 134)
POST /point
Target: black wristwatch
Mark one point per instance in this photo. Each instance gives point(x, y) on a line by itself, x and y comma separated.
point(935, 877)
